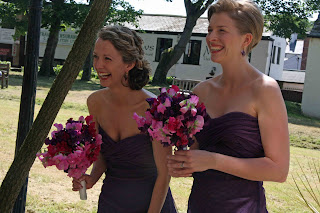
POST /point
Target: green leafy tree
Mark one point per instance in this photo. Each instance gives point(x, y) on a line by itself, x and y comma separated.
point(284, 18)
point(13, 14)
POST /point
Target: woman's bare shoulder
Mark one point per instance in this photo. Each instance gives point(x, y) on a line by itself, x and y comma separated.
point(204, 87)
point(266, 84)
point(95, 98)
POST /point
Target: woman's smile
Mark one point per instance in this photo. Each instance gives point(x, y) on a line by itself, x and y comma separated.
point(104, 75)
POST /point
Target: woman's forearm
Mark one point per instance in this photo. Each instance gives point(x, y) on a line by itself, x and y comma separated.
point(159, 193)
point(99, 167)
point(258, 169)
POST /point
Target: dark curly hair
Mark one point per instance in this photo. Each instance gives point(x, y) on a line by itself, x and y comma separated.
point(129, 44)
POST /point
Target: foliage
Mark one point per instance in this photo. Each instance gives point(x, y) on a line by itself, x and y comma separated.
point(13, 15)
point(308, 187)
point(284, 18)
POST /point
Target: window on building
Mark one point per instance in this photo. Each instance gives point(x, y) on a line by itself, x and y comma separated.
point(278, 55)
point(273, 54)
point(162, 44)
point(192, 52)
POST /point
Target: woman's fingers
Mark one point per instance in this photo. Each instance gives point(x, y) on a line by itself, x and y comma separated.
point(180, 172)
point(177, 157)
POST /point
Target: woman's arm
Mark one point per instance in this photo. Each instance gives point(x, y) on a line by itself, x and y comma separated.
point(161, 186)
point(99, 166)
point(273, 123)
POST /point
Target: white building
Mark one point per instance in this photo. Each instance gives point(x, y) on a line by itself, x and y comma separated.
point(163, 31)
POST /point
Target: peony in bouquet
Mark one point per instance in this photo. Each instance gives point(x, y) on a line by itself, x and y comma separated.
point(73, 148)
point(173, 118)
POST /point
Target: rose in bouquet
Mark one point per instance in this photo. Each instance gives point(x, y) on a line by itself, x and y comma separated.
point(173, 118)
point(73, 148)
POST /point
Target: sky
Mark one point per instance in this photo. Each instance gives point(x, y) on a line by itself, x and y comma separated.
point(176, 7)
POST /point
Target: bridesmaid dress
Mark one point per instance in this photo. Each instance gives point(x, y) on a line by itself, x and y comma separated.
point(130, 176)
point(234, 134)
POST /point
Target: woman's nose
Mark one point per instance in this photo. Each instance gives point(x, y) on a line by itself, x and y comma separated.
point(97, 63)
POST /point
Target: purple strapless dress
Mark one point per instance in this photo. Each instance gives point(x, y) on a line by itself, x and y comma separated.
point(235, 134)
point(130, 176)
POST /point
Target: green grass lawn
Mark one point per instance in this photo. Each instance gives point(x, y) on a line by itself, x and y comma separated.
point(49, 190)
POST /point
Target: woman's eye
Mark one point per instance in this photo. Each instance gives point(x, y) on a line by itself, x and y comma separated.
point(95, 56)
point(106, 58)
point(209, 30)
point(222, 30)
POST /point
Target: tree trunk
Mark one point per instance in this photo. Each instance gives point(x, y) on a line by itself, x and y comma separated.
point(171, 57)
point(25, 157)
point(87, 67)
point(46, 68)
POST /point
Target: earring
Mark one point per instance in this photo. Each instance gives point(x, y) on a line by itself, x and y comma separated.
point(125, 76)
point(243, 53)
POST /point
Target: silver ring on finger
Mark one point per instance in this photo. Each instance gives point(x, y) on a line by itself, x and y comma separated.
point(182, 165)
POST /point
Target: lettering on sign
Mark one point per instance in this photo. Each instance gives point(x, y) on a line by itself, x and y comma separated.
point(4, 51)
point(64, 37)
point(148, 50)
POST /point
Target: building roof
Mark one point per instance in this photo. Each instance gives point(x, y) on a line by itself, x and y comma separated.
point(168, 23)
point(298, 48)
point(293, 76)
point(315, 32)
point(174, 24)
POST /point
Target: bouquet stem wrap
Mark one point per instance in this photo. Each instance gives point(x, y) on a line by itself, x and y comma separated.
point(83, 191)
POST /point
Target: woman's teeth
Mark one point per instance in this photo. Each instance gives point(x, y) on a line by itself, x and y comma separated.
point(216, 48)
point(104, 75)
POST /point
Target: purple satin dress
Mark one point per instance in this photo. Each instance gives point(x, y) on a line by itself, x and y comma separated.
point(235, 134)
point(130, 176)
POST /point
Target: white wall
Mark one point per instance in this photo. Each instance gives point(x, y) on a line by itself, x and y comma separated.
point(6, 36)
point(276, 69)
point(260, 56)
point(66, 40)
point(310, 97)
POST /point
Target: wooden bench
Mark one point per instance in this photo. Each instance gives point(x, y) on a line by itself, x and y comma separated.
point(185, 85)
point(4, 75)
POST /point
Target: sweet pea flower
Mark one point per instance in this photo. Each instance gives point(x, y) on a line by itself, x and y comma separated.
point(184, 109)
point(148, 117)
point(139, 120)
point(175, 88)
point(193, 100)
point(89, 119)
point(69, 126)
point(61, 162)
point(77, 126)
point(161, 108)
point(58, 126)
point(81, 119)
point(193, 111)
point(167, 103)
point(163, 90)
point(172, 92)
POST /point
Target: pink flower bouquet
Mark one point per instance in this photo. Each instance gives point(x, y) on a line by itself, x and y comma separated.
point(173, 118)
point(73, 148)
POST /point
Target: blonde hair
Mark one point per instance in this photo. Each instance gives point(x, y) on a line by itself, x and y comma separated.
point(247, 17)
point(129, 44)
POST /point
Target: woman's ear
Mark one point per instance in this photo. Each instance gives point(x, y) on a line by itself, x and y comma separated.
point(130, 66)
point(247, 39)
